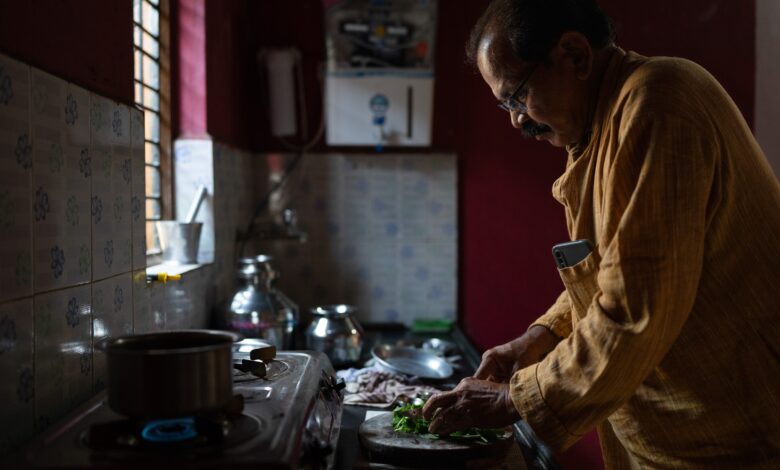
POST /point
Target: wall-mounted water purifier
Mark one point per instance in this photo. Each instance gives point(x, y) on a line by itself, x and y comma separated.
point(379, 109)
point(379, 75)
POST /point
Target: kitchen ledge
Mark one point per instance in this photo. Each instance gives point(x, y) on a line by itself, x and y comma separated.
point(182, 269)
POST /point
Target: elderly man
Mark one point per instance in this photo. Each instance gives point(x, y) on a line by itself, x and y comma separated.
point(667, 336)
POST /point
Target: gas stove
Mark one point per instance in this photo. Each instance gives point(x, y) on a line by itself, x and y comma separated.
point(287, 420)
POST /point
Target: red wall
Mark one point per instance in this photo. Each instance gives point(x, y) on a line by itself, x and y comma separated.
point(229, 71)
point(509, 219)
point(87, 42)
point(215, 63)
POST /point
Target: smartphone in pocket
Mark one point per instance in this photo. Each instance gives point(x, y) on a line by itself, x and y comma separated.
point(570, 253)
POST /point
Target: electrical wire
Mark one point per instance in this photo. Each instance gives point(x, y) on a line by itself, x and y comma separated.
point(262, 204)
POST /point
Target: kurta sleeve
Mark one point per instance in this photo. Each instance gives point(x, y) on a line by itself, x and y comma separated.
point(656, 203)
point(557, 318)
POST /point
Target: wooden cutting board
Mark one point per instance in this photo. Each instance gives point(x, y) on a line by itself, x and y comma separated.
point(383, 444)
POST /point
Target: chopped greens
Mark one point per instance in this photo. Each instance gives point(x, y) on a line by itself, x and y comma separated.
point(409, 419)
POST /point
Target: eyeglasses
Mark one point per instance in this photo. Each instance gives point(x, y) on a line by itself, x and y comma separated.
point(512, 104)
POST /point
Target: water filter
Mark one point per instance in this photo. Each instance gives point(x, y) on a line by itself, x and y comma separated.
point(379, 75)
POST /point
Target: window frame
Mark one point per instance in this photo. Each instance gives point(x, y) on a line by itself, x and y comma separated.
point(164, 147)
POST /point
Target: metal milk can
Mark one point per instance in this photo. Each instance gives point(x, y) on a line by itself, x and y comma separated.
point(258, 309)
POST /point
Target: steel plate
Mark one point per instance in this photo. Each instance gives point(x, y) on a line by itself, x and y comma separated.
point(412, 361)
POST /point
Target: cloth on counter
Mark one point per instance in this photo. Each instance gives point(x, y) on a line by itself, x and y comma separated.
point(374, 386)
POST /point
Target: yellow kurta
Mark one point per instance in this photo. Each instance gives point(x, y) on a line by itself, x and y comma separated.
point(671, 326)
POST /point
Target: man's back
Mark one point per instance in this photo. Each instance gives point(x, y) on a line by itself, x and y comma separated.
point(686, 213)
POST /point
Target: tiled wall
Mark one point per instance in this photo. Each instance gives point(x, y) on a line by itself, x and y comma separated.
point(382, 235)
point(382, 229)
point(72, 259)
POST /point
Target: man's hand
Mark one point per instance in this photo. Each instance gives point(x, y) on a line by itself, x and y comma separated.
point(472, 404)
point(500, 363)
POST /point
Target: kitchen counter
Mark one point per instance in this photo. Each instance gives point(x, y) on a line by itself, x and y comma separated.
point(349, 453)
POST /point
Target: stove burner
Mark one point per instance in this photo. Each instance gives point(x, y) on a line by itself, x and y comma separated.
point(198, 433)
point(170, 430)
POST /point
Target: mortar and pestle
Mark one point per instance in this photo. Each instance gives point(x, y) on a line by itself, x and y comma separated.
point(179, 240)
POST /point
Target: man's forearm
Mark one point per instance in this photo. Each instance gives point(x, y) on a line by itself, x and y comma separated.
point(544, 341)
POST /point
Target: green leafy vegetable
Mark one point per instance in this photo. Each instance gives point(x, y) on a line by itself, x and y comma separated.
point(409, 419)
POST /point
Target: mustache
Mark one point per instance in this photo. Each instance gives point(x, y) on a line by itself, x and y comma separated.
point(531, 128)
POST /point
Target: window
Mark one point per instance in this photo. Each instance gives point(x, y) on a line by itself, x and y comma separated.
point(152, 94)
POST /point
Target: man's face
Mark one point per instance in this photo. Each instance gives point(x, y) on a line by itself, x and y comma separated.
point(554, 94)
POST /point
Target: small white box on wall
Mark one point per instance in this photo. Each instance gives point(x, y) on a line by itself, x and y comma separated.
point(383, 108)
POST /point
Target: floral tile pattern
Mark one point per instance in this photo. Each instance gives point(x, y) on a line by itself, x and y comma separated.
point(17, 391)
point(63, 352)
point(382, 236)
point(71, 163)
point(111, 202)
point(16, 272)
point(61, 225)
point(138, 193)
point(233, 169)
point(112, 316)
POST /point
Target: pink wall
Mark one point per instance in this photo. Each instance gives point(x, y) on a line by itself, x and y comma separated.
point(189, 53)
point(230, 64)
point(87, 42)
point(215, 59)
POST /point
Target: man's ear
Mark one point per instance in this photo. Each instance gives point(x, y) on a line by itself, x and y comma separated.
point(575, 50)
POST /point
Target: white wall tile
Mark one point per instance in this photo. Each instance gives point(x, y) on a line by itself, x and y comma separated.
point(16, 147)
point(138, 201)
point(16, 369)
point(111, 188)
point(63, 352)
point(61, 183)
point(382, 235)
point(112, 316)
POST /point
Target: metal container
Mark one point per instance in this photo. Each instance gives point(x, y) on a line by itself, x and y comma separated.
point(170, 374)
point(258, 309)
point(335, 331)
point(412, 361)
point(179, 241)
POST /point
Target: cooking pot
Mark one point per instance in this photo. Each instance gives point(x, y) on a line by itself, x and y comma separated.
point(258, 309)
point(170, 374)
point(335, 331)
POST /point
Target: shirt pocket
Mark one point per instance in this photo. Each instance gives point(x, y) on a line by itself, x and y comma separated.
point(581, 283)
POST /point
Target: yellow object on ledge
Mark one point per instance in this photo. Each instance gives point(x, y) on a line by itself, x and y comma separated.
point(162, 277)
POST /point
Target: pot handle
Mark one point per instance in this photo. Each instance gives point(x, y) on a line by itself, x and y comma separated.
point(102, 345)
